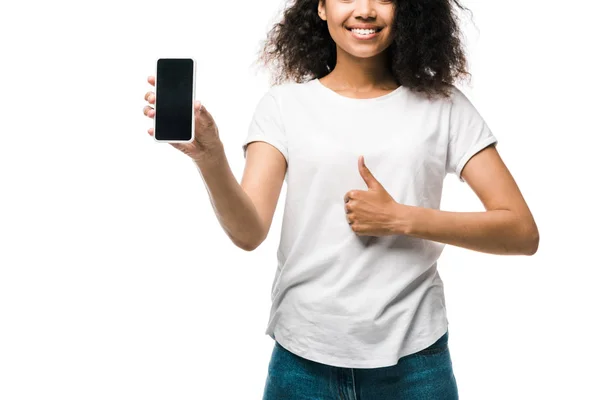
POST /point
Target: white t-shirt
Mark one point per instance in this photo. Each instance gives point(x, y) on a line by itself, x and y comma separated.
point(339, 298)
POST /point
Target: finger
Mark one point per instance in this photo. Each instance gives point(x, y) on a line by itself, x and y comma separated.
point(366, 174)
point(348, 196)
point(150, 97)
point(200, 109)
point(364, 171)
point(149, 111)
point(151, 131)
point(151, 80)
point(203, 117)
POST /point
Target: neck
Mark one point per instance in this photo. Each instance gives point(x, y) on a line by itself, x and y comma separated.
point(355, 73)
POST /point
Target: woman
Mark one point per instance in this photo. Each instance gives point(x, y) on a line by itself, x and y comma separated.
point(358, 306)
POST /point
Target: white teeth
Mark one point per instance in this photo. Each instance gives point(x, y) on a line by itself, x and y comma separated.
point(364, 31)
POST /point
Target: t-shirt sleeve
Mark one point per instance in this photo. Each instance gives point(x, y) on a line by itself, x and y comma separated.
point(267, 125)
point(468, 135)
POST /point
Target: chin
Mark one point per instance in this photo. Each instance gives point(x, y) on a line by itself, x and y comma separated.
point(364, 54)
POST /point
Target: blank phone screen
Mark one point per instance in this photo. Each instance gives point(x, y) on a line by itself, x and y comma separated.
point(174, 99)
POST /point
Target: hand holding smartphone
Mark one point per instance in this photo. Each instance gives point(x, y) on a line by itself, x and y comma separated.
point(178, 118)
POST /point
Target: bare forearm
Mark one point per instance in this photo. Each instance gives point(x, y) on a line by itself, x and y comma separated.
point(233, 207)
point(494, 231)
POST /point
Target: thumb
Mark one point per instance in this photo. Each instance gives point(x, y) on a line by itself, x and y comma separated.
point(203, 117)
point(366, 174)
point(198, 107)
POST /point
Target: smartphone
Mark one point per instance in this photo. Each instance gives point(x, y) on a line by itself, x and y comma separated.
point(174, 104)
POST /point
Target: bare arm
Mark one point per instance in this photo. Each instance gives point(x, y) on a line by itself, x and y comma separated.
point(245, 211)
point(506, 227)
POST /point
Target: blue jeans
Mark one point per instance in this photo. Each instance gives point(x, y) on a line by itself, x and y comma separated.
point(424, 375)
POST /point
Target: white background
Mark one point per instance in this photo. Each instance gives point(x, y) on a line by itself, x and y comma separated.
point(116, 280)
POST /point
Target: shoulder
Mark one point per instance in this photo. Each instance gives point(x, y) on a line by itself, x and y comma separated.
point(458, 103)
point(459, 98)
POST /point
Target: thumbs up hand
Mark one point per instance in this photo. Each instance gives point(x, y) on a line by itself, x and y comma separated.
point(372, 212)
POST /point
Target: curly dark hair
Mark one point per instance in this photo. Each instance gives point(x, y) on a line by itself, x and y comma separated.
point(426, 55)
